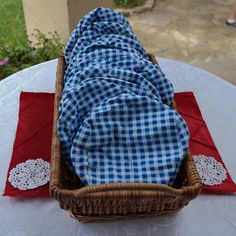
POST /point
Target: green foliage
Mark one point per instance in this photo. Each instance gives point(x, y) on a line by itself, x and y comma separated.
point(128, 3)
point(14, 44)
point(45, 49)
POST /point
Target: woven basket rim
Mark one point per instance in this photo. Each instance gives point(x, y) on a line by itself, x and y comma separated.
point(112, 190)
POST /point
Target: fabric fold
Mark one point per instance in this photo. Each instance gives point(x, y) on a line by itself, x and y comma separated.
point(116, 123)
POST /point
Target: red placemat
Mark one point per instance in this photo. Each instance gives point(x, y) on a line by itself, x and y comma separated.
point(34, 132)
point(33, 137)
point(201, 142)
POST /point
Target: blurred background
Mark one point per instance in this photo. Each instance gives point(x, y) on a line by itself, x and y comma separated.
point(192, 31)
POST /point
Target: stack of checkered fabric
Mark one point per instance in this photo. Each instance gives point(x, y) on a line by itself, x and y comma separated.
point(115, 123)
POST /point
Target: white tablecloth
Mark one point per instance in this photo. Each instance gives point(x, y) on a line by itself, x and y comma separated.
point(206, 215)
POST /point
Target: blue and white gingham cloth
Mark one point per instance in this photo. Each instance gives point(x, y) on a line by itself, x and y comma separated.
point(115, 123)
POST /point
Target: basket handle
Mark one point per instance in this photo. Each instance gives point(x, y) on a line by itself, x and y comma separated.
point(127, 190)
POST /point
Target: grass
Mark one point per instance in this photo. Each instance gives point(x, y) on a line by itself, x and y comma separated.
point(12, 26)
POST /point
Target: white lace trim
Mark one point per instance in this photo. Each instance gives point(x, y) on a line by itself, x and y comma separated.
point(210, 170)
point(30, 174)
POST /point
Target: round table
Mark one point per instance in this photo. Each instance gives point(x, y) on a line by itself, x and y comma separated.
point(207, 214)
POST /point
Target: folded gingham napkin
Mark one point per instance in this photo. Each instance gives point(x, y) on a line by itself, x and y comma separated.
point(115, 123)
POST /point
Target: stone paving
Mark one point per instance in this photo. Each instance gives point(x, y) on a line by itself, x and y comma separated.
point(192, 31)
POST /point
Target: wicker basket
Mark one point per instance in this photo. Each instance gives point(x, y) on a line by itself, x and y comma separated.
point(117, 200)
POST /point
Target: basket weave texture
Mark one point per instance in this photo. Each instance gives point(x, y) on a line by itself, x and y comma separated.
point(116, 200)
